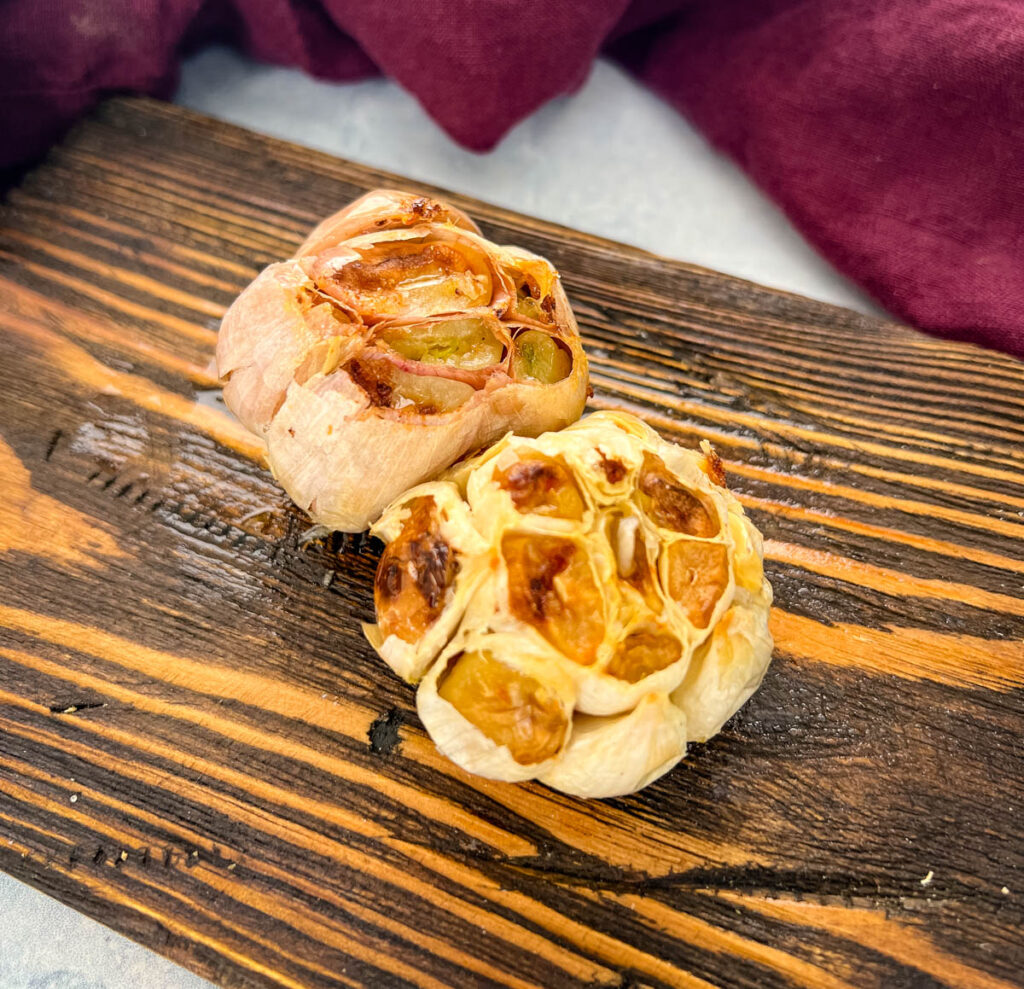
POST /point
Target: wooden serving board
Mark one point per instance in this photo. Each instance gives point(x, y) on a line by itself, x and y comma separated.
point(198, 748)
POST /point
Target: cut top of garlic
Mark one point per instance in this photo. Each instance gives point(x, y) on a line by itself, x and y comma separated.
point(613, 558)
point(396, 340)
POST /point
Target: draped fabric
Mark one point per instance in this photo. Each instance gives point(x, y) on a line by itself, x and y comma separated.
point(890, 131)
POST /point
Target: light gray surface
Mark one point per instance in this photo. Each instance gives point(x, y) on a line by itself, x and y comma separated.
point(45, 945)
point(613, 160)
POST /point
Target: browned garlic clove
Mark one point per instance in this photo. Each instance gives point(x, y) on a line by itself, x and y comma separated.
point(497, 707)
point(430, 567)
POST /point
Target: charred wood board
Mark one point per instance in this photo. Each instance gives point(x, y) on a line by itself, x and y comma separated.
point(198, 748)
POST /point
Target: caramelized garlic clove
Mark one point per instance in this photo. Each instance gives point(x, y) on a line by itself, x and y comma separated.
point(697, 578)
point(427, 572)
point(650, 658)
point(552, 587)
point(642, 653)
point(616, 756)
point(496, 707)
point(541, 485)
point(673, 506)
point(416, 575)
point(538, 356)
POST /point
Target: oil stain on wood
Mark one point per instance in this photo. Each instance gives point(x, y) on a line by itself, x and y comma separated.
point(198, 748)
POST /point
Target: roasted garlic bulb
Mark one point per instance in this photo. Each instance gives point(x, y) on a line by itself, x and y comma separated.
point(575, 607)
point(395, 341)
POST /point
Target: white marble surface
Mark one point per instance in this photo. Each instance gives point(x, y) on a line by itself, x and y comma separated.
point(612, 160)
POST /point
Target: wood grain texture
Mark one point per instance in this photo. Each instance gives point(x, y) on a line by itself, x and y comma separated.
point(198, 748)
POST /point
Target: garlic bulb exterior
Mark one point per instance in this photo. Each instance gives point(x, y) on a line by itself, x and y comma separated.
point(612, 757)
point(395, 341)
point(602, 572)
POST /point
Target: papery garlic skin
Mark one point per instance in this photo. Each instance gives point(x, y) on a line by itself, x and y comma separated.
point(616, 756)
point(728, 667)
point(621, 571)
point(315, 354)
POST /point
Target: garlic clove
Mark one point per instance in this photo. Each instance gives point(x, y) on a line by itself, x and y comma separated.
point(540, 485)
point(428, 571)
point(697, 578)
point(613, 757)
point(538, 356)
point(554, 587)
point(648, 658)
point(496, 706)
point(469, 342)
point(532, 281)
point(673, 505)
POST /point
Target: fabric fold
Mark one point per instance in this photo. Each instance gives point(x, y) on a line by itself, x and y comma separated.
point(891, 134)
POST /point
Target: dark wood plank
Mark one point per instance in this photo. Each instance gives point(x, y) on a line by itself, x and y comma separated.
point(198, 748)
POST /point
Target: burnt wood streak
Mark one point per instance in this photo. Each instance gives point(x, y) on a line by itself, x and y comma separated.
point(198, 748)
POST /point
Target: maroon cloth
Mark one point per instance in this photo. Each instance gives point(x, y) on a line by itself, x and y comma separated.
point(890, 131)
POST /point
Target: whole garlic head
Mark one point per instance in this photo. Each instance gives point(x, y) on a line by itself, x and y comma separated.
point(395, 341)
point(575, 607)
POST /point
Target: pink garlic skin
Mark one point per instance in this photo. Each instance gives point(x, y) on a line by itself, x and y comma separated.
point(284, 345)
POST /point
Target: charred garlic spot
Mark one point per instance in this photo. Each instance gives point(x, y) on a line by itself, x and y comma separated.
point(397, 277)
point(374, 377)
point(669, 504)
point(712, 465)
point(551, 587)
point(542, 485)
point(613, 470)
point(538, 356)
point(414, 575)
point(387, 386)
point(509, 707)
point(644, 651)
point(426, 209)
point(698, 574)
